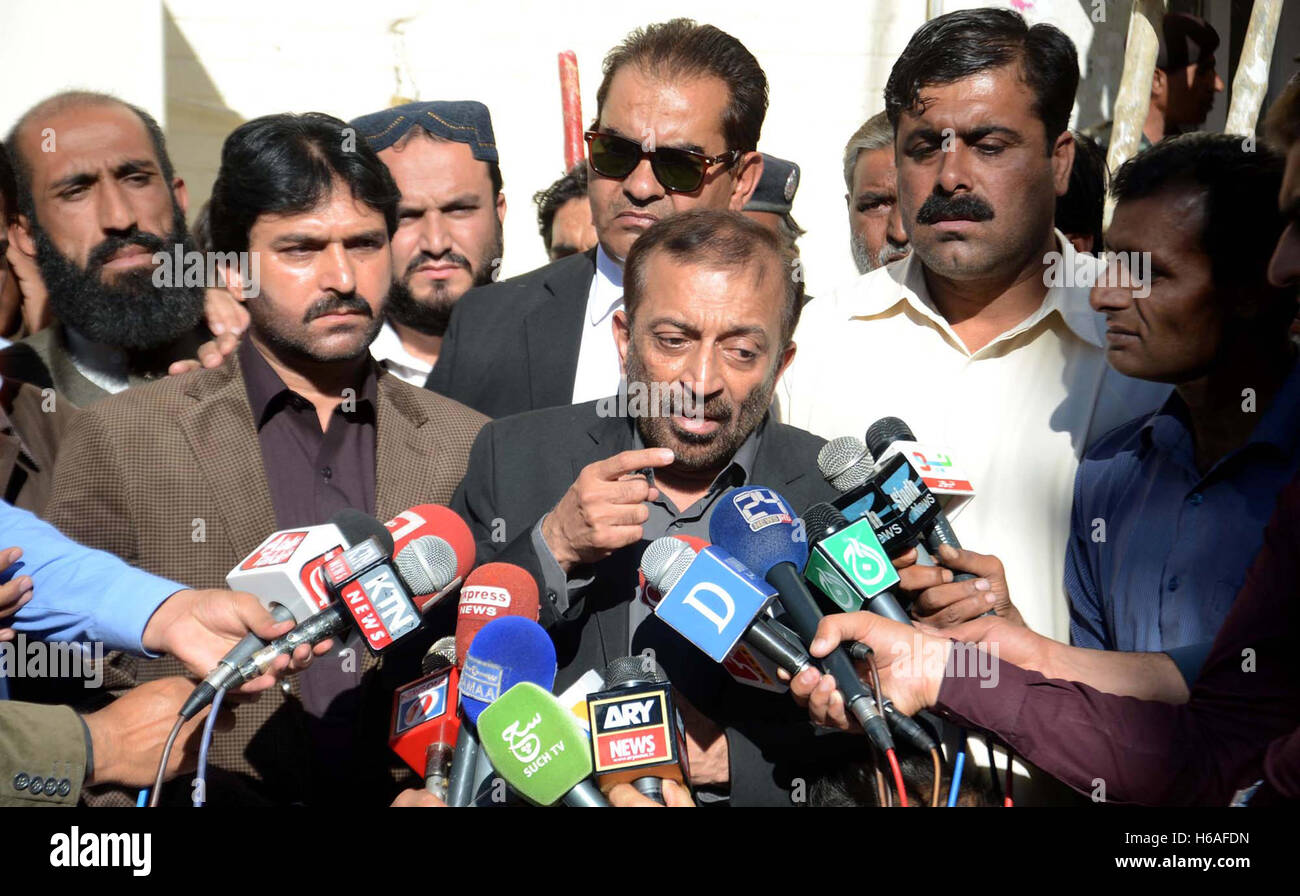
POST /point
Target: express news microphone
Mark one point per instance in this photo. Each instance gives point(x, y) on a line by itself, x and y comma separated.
point(758, 527)
point(425, 722)
point(715, 602)
point(848, 564)
point(636, 732)
point(539, 748)
point(492, 591)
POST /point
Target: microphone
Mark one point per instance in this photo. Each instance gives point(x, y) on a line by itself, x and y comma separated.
point(425, 723)
point(368, 595)
point(434, 519)
point(850, 469)
point(493, 591)
point(848, 564)
point(636, 732)
point(714, 602)
point(537, 746)
point(945, 479)
point(757, 526)
point(892, 435)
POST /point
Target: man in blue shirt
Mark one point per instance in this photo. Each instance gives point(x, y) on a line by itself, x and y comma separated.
point(1170, 508)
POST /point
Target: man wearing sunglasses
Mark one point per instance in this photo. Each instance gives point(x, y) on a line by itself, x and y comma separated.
point(678, 117)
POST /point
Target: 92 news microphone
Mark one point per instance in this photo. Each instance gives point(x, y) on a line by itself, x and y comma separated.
point(636, 732)
point(425, 722)
point(757, 526)
point(539, 748)
point(848, 564)
point(492, 591)
point(713, 601)
point(850, 468)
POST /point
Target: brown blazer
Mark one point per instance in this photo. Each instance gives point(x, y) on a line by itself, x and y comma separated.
point(32, 424)
point(169, 477)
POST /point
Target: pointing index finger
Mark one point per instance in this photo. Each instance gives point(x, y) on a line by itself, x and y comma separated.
point(630, 461)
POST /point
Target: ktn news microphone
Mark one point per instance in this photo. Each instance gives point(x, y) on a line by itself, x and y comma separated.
point(715, 602)
point(637, 735)
point(757, 527)
point(493, 591)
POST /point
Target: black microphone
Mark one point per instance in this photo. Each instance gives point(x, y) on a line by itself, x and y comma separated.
point(757, 526)
point(637, 734)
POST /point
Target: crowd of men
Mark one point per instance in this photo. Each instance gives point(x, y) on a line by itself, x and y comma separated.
point(1126, 402)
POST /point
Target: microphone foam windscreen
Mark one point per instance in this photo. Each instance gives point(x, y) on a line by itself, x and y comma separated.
point(490, 592)
point(357, 527)
point(434, 519)
point(885, 432)
point(845, 463)
point(504, 653)
point(757, 527)
point(661, 558)
point(427, 565)
point(627, 669)
point(820, 519)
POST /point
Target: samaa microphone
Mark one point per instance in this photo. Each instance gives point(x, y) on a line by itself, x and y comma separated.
point(758, 527)
point(848, 564)
point(714, 602)
point(637, 734)
point(537, 746)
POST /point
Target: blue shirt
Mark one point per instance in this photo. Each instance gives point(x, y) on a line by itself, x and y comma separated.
point(1157, 551)
point(78, 593)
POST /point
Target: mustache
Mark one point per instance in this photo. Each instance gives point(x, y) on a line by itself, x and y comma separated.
point(100, 255)
point(961, 207)
point(334, 303)
point(423, 257)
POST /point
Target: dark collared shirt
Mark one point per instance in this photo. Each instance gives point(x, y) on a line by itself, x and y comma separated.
point(1157, 550)
point(312, 476)
point(665, 519)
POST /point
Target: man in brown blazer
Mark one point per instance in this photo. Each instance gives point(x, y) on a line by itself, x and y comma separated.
point(186, 476)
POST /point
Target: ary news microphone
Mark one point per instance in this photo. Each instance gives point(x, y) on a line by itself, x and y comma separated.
point(713, 601)
point(637, 734)
point(850, 468)
point(758, 527)
point(492, 591)
point(848, 564)
point(368, 595)
point(539, 748)
point(425, 722)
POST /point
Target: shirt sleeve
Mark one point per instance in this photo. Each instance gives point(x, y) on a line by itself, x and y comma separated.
point(78, 593)
point(1087, 618)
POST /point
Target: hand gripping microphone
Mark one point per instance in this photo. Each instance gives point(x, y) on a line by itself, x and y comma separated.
point(425, 722)
point(848, 564)
point(492, 591)
point(714, 602)
point(758, 527)
point(850, 469)
point(539, 748)
point(636, 732)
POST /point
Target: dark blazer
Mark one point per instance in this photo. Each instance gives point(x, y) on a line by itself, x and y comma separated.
point(169, 477)
point(32, 423)
point(519, 468)
point(513, 346)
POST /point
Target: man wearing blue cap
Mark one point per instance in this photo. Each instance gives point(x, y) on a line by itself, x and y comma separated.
point(774, 198)
point(443, 156)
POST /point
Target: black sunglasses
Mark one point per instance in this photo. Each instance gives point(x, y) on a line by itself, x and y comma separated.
point(678, 170)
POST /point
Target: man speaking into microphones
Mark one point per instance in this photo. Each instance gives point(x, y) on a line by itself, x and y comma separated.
point(575, 494)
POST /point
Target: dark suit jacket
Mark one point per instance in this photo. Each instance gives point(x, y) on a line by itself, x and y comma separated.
point(513, 346)
point(32, 424)
point(169, 477)
point(518, 470)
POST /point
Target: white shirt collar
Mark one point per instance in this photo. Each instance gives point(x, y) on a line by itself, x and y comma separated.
point(879, 291)
point(606, 293)
point(389, 351)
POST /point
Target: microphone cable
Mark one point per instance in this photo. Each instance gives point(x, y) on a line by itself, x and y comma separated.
point(890, 755)
point(957, 767)
point(993, 769)
point(209, 724)
point(938, 775)
point(162, 762)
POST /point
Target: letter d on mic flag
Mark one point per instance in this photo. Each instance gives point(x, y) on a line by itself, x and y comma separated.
point(714, 602)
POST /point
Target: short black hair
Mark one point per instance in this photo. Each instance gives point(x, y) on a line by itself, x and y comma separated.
point(681, 48)
point(8, 188)
point(572, 185)
point(712, 236)
point(1081, 209)
point(961, 44)
point(1242, 222)
point(286, 164)
point(72, 99)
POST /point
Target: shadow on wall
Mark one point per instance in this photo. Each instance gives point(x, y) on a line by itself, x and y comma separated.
point(198, 119)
